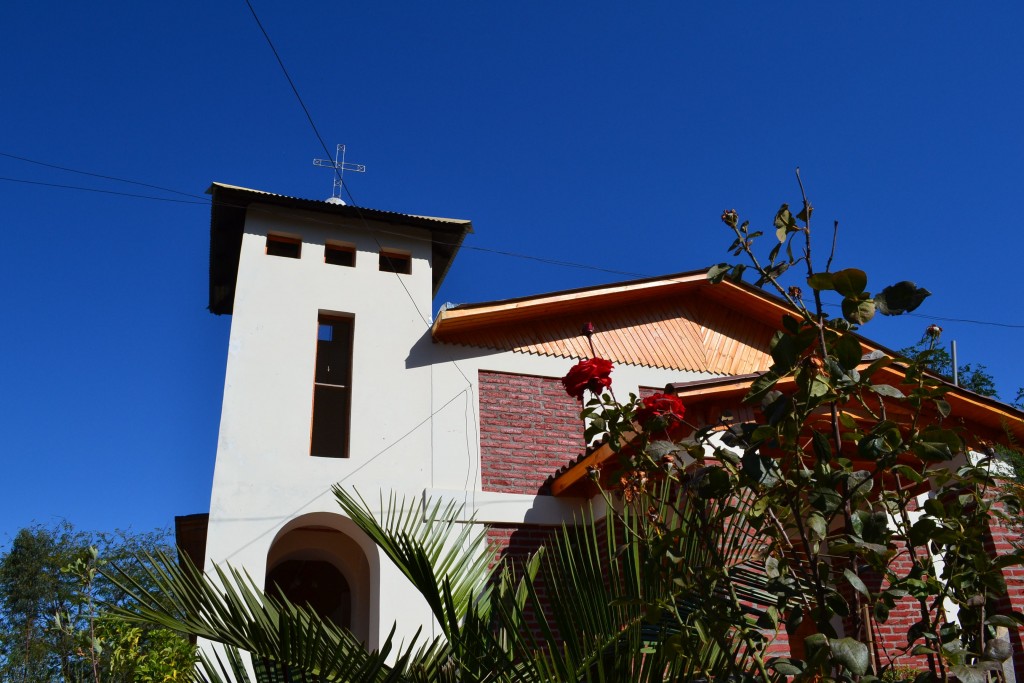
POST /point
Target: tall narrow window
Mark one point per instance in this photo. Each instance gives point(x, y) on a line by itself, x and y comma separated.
point(332, 390)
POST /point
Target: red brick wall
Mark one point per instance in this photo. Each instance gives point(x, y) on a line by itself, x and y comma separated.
point(529, 427)
point(1002, 540)
point(512, 545)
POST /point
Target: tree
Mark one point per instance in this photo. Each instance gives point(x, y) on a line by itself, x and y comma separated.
point(55, 623)
point(928, 353)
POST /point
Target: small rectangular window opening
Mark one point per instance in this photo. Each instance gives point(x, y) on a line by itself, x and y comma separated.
point(395, 262)
point(332, 388)
point(340, 255)
point(288, 247)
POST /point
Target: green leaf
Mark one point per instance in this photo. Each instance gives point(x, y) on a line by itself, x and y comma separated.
point(850, 282)
point(902, 297)
point(786, 667)
point(822, 446)
point(943, 407)
point(817, 524)
point(848, 351)
point(837, 603)
point(820, 281)
point(934, 507)
point(921, 532)
point(717, 273)
point(856, 582)
point(969, 674)
point(1002, 620)
point(784, 351)
point(881, 611)
point(852, 654)
point(858, 311)
point(714, 483)
point(887, 390)
point(784, 222)
point(761, 386)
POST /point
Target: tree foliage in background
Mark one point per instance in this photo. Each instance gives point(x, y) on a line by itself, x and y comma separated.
point(55, 623)
point(970, 376)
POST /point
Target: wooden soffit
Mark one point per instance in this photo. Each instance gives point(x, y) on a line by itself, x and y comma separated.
point(677, 322)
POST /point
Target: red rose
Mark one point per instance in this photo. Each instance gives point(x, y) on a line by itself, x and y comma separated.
point(588, 374)
point(660, 406)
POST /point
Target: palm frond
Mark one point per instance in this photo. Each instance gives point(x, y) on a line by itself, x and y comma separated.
point(231, 610)
point(447, 561)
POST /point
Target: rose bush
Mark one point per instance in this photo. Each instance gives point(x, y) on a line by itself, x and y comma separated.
point(660, 406)
point(592, 374)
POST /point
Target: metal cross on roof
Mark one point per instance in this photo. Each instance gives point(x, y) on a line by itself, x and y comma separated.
point(339, 166)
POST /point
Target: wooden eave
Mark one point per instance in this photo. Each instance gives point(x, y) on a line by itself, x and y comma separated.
point(675, 322)
point(464, 319)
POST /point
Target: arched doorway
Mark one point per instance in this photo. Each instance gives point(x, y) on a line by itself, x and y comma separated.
point(316, 583)
point(326, 569)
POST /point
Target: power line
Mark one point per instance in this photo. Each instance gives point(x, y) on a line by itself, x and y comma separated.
point(309, 117)
point(114, 192)
point(97, 175)
point(500, 252)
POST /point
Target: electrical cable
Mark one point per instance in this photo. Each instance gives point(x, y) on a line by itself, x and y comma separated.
point(469, 247)
point(114, 192)
point(295, 90)
point(100, 175)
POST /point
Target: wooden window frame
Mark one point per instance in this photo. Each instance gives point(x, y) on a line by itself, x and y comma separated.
point(338, 248)
point(283, 246)
point(395, 261)
point(331, 419)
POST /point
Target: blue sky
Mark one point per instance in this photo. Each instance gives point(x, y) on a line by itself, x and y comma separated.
point(597, 133)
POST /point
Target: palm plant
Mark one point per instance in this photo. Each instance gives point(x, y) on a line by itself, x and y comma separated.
point(606, 605)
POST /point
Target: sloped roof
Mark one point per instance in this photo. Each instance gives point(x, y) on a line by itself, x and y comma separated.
point(227, 220)
point(677, 322)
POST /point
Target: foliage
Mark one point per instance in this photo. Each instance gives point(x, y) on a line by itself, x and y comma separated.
point(843, 446)
point(937, 359)
point(54, 623)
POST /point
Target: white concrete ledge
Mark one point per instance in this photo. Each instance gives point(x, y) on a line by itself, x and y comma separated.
point(487, 507)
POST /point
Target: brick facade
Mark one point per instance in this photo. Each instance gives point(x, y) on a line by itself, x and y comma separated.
point(529, 427)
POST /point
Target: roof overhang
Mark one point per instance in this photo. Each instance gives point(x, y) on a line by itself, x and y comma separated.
point(231, 205)
point(466, 318)
point(980, 420)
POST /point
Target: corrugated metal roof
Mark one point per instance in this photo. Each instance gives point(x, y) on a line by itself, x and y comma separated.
point(326, 205)
point(227, 219)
